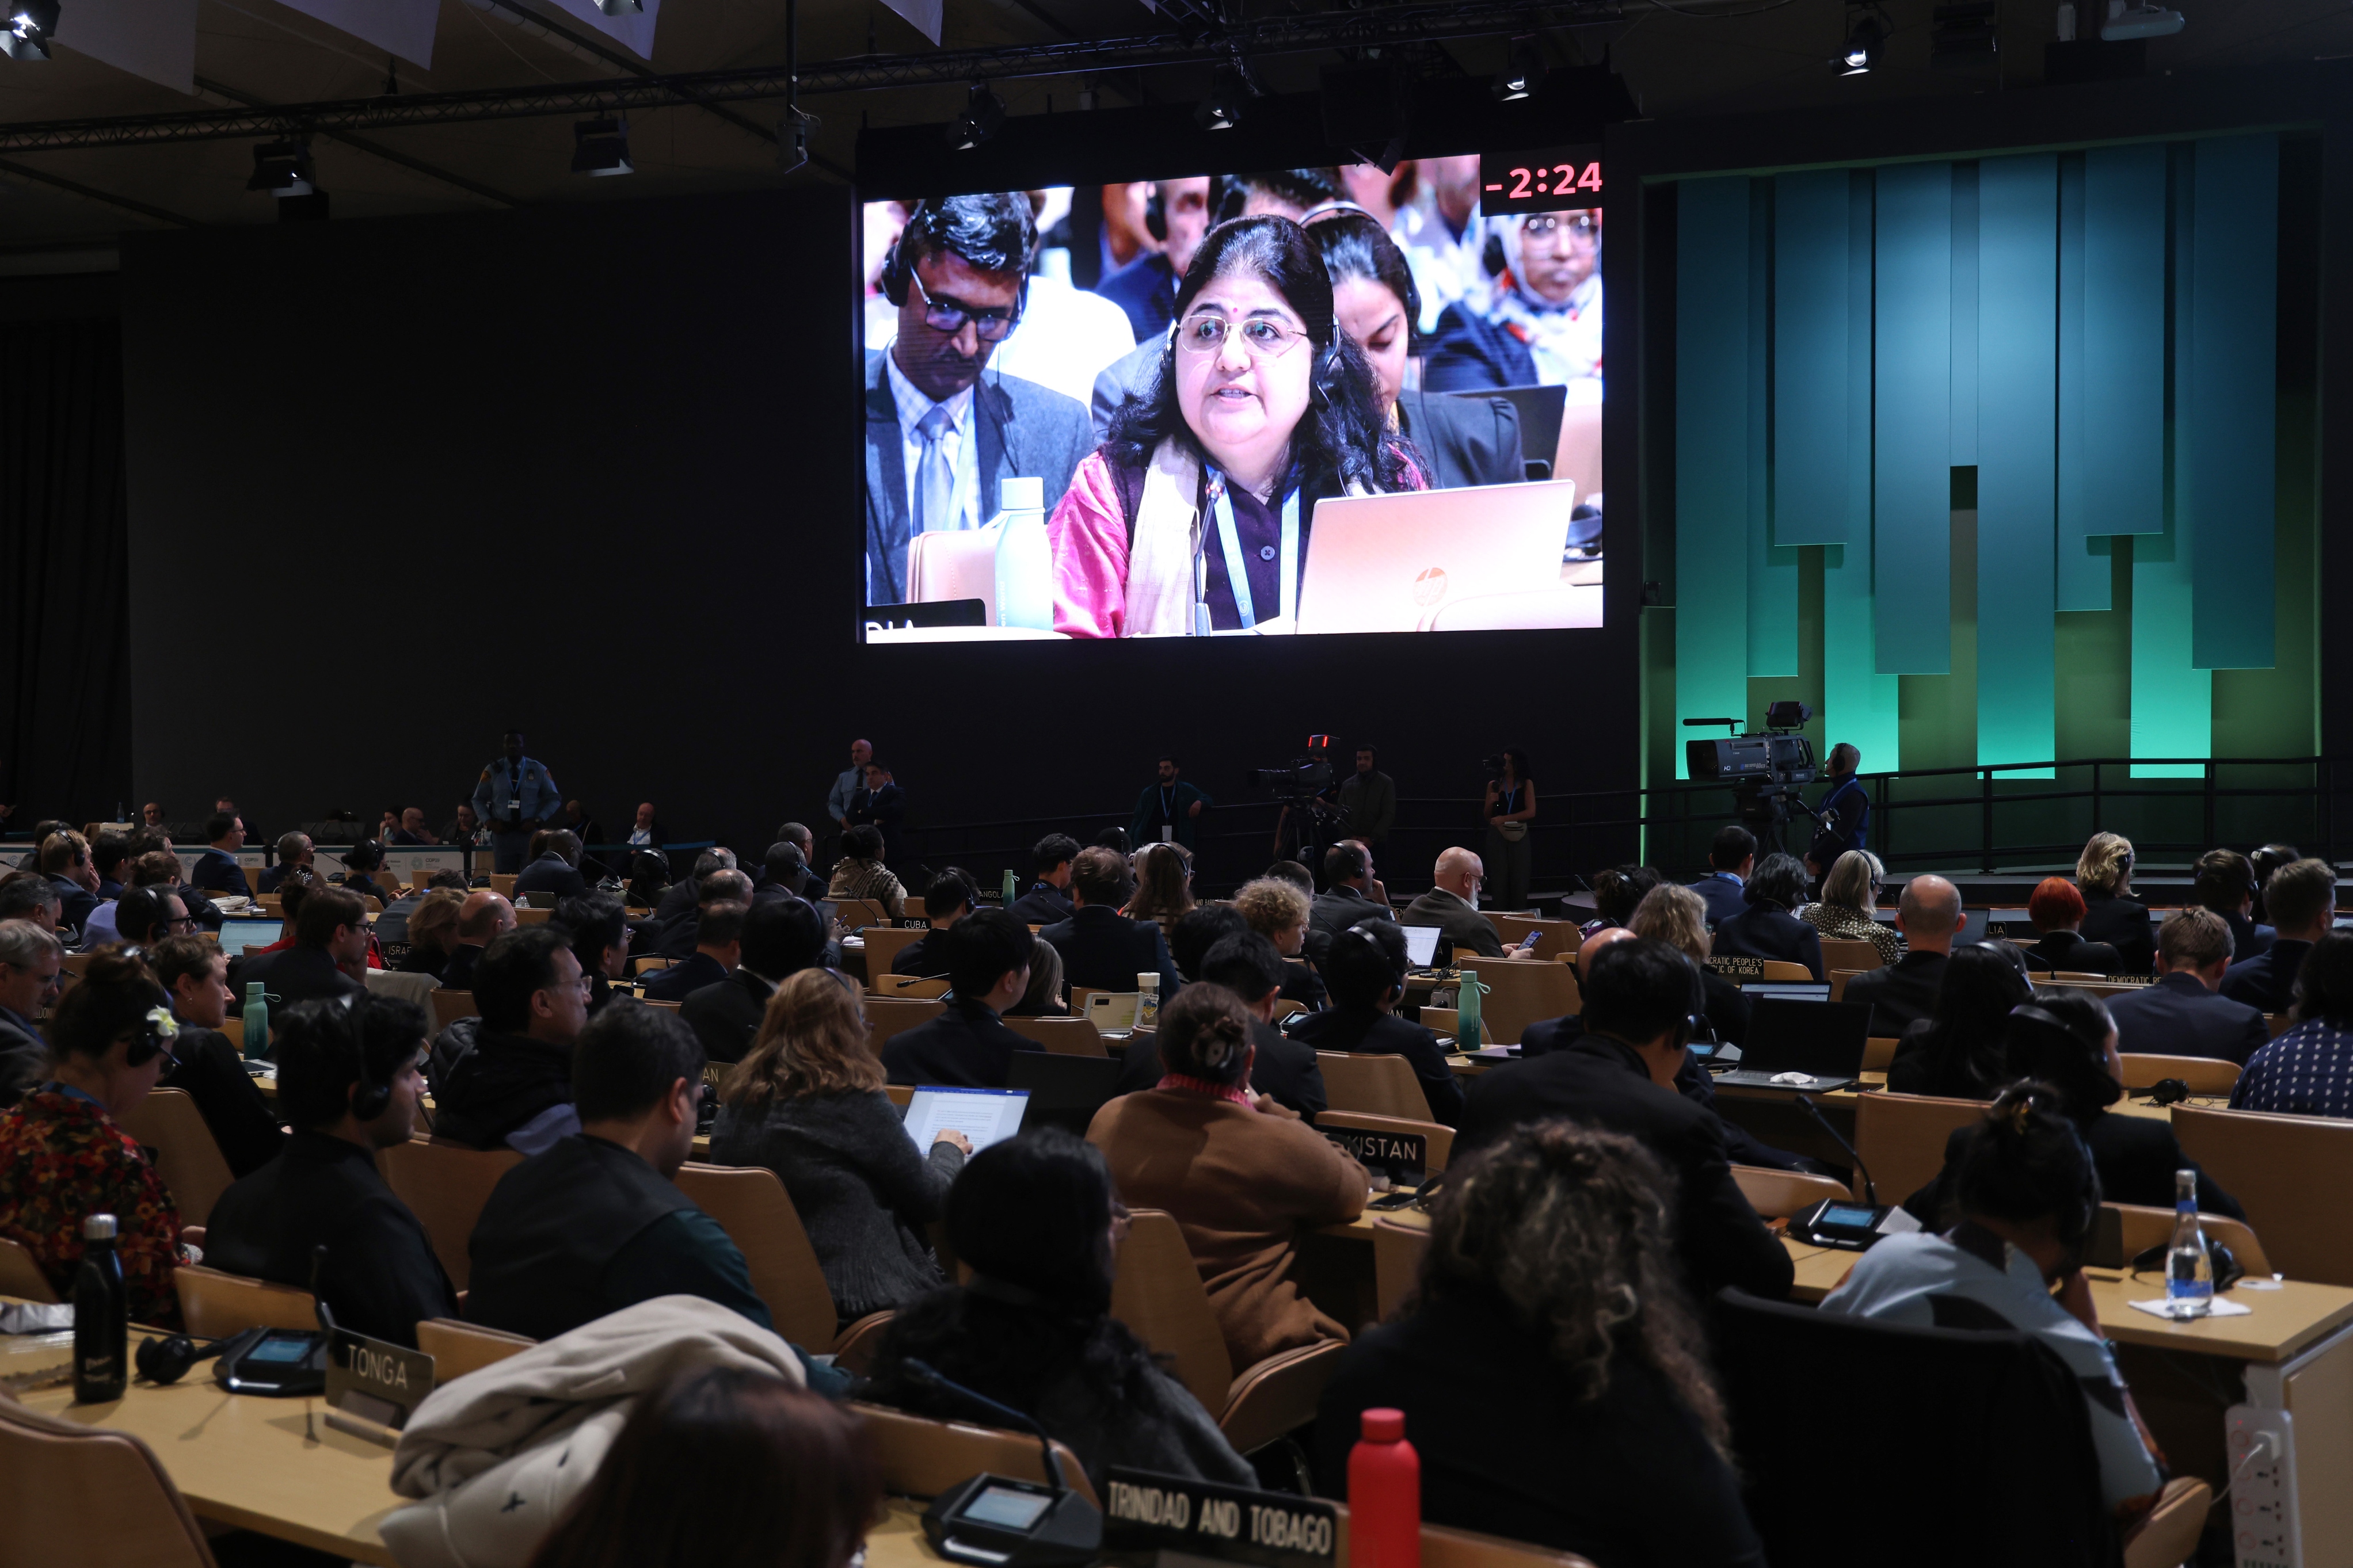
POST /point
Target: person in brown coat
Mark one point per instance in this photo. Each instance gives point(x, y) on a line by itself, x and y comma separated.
point(1241, 1174)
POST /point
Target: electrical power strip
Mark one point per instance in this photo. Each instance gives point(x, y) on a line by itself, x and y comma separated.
point(2261, 1445)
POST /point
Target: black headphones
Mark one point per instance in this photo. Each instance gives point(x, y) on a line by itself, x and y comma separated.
point(897, 274)
point(168, 1359)
point(1155, 213)
point(2091, 1070)
point(151, 1041)
point(1396, 967)
point(371, 1094)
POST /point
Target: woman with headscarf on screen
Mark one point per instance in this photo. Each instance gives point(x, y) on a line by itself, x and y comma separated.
point(1194, 515)
point(1545, 326)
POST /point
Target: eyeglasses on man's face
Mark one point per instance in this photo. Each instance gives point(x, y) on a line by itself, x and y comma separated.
point(949, 316)
point(1262, 337)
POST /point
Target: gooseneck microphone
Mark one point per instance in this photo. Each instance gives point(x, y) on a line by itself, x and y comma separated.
point(927, 1374)
point(1870, 1189)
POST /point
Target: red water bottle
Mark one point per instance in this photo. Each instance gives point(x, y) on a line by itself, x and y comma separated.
point(1384, 1495)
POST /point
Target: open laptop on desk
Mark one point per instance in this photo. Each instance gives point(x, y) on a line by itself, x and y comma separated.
point(1821, 1040)
point(1421, 946)
point(1799, 991)
point(1064, 1092)
point(1391, 563)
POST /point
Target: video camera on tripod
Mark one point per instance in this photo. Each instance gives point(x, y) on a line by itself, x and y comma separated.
point(1765, 768)
point(1303, 778)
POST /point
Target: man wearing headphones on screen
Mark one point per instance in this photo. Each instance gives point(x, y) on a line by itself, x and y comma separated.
point(939, 435)
point(1177, 214)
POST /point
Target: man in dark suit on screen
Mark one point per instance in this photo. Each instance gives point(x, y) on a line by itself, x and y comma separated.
point(939, 434)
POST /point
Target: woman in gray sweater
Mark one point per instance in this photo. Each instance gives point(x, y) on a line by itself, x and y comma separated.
point(806, 1101)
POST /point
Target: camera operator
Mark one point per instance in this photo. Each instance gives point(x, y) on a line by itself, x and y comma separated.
point(1845, 812)
point(1168, 810)
point(1368, 800)
point(1511, 810)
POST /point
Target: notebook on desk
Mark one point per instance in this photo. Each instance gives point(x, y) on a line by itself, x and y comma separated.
point(1823, 1041)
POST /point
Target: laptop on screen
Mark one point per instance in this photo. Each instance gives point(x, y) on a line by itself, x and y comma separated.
point(1392, 563)
point(1421, 945)
point(984, 1115)
point(1823, 1041)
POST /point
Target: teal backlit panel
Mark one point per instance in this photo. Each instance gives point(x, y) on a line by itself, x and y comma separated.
point(2172, 703)
point(1810, 325)
point(2228, 413)
point(2017, 344)
point(2083, 577)
point(1772, 570)
point(1859, 705)
point(1712, 390)
point(1911, 516)
point(1965, 315)
point(2123, 454)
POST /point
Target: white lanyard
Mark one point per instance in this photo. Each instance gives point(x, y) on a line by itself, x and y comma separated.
point(1237, 573)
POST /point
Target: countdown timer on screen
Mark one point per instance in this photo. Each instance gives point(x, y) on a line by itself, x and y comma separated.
point(1554, 180)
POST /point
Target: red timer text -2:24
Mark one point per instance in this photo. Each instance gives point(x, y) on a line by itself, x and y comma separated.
point(1546, 181)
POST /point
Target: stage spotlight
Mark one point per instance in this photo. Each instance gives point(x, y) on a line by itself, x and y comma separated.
point(983, 111)
point(1223, 110)
point(2138, 20)
point(601, 147)
point(621, 7)
point(1522, 69)
point(30, 26)
point(1862, 43)
point(283, 169)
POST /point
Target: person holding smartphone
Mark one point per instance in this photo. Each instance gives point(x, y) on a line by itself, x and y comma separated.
point(1510, 809)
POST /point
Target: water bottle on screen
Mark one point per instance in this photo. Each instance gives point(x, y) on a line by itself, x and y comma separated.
point(256, 1022)
point(1384, 1495)
point(102, 1359)
point(1025, 565)
point(2188, 1270)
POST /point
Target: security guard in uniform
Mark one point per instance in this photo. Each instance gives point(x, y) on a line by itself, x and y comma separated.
point(515, 797)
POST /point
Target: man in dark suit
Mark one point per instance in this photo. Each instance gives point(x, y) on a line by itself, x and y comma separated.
point(2223, 880)
point(1452, 905)
point(65, 862)
point(1346, 898)
point(1047, 902)
point(784, 869)
point(1101, 949)
point(216, 871)
point(31, 958)
point(330, 938)
point(781, 938)
point(293, 849)
point(1732, 857)
point(1769, 928)
point(882, 803)
point(1176, 212)
point(1619, 1075)
point(718, 949)
point(555, 867)
point(482, 919)
point(2301, 899)
point(968, 1045)
point(1284, 1069)
point(949, 899)
point(2180, 1015)
point(677, 937)
point(1929, 915)
point(939, 436)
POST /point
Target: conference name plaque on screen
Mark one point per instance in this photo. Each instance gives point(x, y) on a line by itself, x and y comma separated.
point(1303, 402)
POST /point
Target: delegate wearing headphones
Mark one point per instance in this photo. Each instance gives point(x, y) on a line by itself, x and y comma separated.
point(1363, 972)
point(939, 435)
point(1192, 517)
point(349, 1083)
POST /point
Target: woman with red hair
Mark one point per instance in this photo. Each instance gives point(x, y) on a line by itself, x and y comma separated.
point(2057, 910)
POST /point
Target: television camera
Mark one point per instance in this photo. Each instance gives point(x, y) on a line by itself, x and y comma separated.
point(1765, 768)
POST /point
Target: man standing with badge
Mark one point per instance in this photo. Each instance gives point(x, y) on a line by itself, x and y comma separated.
point(516, 797)
point(1167, 811)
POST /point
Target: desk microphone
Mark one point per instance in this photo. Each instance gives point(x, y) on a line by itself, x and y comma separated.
point(924, 1372)
point(1870, 1189)
point(994, 1521)
point(326, 1315)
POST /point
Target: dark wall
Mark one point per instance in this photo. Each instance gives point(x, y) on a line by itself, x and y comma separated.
point(595, 471)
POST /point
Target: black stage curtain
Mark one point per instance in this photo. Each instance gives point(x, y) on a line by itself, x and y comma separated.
point(65, 593)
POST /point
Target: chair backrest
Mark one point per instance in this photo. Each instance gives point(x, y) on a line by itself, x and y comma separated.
point(858, 914)
point(1398, 1247)
point(923, 1457)
point(502, 884)
point(753, 1207)
point(1848, 952)
point(91, 1497)
point(1577, 457)
point(186, 1158)
point(2143, 1227)
point(1879, 1052)
point(886, 1016)
point(233, 1027)
point(2279, 1023)
point(2204, 1075)
point(445, 1187)
point(1376, 1085)
point(1438, 1139)
point(2288, 1172)
point(1781, 972)
point(1063, 1036)
point(1999, 1407)
point(459, 1347)
point(1902, 1138)
point(1157, 1292)
point(1560, 937)
point(1779, 1194)
point(884, 945)
point(213, 1304)
point(954, 565)
point(1839, 977)
point(1520, 992)
point(903, 1095)
point(909, 985)
point(21, 1277)
point(1288, 1007)
point(449, 1006)
point(532, 915)
point(401, 982)
point(647, 965)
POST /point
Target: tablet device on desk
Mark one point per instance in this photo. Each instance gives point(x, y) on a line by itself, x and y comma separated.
point(1391, 563)
point(983, 1115)
point(1421, 945)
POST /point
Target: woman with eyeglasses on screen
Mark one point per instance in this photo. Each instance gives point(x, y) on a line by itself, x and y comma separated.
point(1543, 327)
point(1194, 516)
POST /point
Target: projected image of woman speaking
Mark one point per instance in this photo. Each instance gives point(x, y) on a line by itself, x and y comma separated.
point(1193, 516)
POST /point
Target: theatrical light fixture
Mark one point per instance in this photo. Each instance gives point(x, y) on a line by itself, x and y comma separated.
point(2140, 20)
point(283, 169)
point(30, 26)
point(983, 111)
point(1864, 39)
point(1223, 110)
point(601, 147)
point(1522, 69)
point(792, 133)
point(621, 8)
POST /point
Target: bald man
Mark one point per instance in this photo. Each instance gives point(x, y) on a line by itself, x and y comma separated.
point(1555, 1033)
point(1452, 906)
point(482, 919)
point(1929, 915)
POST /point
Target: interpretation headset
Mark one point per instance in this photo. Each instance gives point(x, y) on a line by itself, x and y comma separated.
point(156, 1031)
point(898, 274)
point(2088, 1069)
point(371, 1094)
point(168, 1359)
point(1412, 290)
point(1155, 213)
point(1394, 964)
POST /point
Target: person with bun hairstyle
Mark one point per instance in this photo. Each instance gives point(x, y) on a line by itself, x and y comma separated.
point(64, 1155)
point(1241, 1174)
point(2026, 1194)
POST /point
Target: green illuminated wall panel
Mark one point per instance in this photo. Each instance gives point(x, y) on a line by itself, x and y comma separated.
point(1712, 394)
point(1912, 449)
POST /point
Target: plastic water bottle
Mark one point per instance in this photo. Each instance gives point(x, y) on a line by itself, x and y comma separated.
point(1147, 999)
point(1025, 565)
point(1466, 1020)
point(101, 1364)
point(2188, 1270)
point(256, 1022)
point(1384, 1495)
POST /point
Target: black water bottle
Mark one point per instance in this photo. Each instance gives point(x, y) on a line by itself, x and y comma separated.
point(102, 1316)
